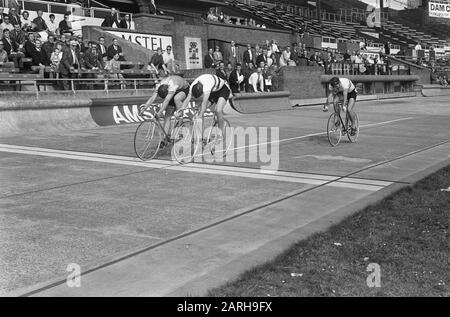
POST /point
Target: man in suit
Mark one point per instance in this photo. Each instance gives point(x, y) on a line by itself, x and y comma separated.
point(39, 56)
point(233, 55)
point(249, 56)
point(209, 59)
point(262, 57)
point(39, 22)
point(111, 19)
point(14, 17)
point(65, 26)
point(102, 50)
point(69, 63)
point(114, 49)
point(29, 45)
point(236, 79)
point(125, 23)
point(221, 73)
point(12, 48)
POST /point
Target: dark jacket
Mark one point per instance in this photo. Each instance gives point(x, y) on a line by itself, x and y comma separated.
point(234, 85)
point(64, 27)
point(123, 24)
point(111, 51)
point(209, 61)
point(40, 24)
point(261, 58)
point(110, 20)
point(9, 46)
point(39, 57)
point(92, 60)
point(14, 19)
point(222, 74)
point(67, 62)
point(247, 59)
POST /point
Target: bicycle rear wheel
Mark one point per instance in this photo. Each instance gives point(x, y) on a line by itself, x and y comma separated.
point(147, 140)
point(334, 129)
point(353, 138)
point(184, 145)
point(219, 140)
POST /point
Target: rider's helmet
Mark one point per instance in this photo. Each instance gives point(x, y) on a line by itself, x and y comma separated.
point(197, 90)
point(335, 82)
point(163, 91)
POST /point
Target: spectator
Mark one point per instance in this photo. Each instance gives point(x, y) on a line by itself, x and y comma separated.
point(110, 20)
point(65, 26)
point(152, 7)
point(285, 59)
point(169, 59)
point(314, 60)
point(113, 66)
point(3, 54)
point(102, 48)
point(18, 36)
point(347, 56)
point(247, 73)
point(56, 57)
point(114, 49)
point(49, 46)
point(39, 22)
point(387, 48)
point(256, 81)
point(92, 59)
point(236, 79)
point(233, 54)
point(209, 59)
point(218, 57)
point(211, 16)
point(156, 64)
point(295, 53)
point(125, 23)
point(274, 47)
point(228, 70)
point(221, 73)
point(29, 44)
point(70, 63)
point(12, 49)
point(262, 58)
point(52, 25)
point(418, 47)
point(26, 22)
point(14, 17)
point(267, 74)
point(249, 56)
point(6, 24)
point(221, 18)
point(1, 15)
point(14, 4)
point(39, 56)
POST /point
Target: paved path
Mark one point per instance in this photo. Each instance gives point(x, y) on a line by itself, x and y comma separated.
point(157, 228)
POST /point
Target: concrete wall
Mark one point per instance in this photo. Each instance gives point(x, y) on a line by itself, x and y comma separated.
point(150, 23)
point(304, 82)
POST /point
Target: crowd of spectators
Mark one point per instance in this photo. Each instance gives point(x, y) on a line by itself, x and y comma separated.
point(220, 17)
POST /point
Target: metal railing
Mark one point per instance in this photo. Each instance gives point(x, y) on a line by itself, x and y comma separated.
point(346, 68)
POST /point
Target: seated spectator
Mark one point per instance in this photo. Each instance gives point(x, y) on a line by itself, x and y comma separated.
point(111, 19)
point(70, 63)
point(52, 25)
point(39, 56)
point(229, 69)
point(272, 60)
point(27, 24)
point(39, 22)
point(169, 59)
point(14, 17)
point(113, 66)
point(6, 24)
point(18, 37)
point(262, 57)
point(209, 59)
point(256, 81)
point(236, 79)
point(218, 57)
point(12, 48)
point(102, 48)
point(285, 58)
point(49, 46)
point(92, 59)
point(65, 26)
point(29, 44)
point(114, 49)
point(125, 23)
point(3, 54)
point(156, 64)
point(221, 73)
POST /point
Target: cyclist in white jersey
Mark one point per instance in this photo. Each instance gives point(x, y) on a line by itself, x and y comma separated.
point(174, 90)
point(213, 90)
point(342, 89)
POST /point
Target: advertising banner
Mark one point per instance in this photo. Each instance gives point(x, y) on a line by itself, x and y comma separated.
point(193, 49)
point(148, 41)
point(439, 10)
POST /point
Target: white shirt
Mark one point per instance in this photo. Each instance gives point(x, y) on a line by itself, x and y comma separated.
point(52, 26)
point(211, 83)
point(346, 84)
point(418, 47)
point(256, 78)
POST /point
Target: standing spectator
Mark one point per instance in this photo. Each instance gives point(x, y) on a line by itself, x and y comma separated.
point(102, 48)
point(26, 22)
point(114, 49)
point(233, 54)
point(211, 16)
point(113, 66)
point(228, 70)
point(111, 19)
point(3, 54)
point(49, 46)
point(65, 26)
point(267, 74)
point(6, 25)
point(247, 73)
point(285, 58)
point(39, 22)
point(209, 59)
point(56, 57)
point(387, 48)
point(152, 7)
point(18, 36)
point(272, 60)
point(236, 79)
point(218, 57)
point(125, 23)
point(14, 17)
point(169, 59)
point(52, 25)
point(256, 81)
point(156, 64)
point(29, 44)
point(92, 59)
point(347, 56)
point(39, 56)
point(221, 73)
point(262, 58)
point(295, 53)
point(249, 56)
point(70, 62)
point(274, 47)
point(14, 4)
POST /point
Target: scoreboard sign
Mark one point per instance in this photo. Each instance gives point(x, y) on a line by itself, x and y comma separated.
point(439, 10)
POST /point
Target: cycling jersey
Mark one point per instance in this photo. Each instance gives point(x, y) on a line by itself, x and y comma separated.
point(175, 83)
point(211, 83)
point(345, 84)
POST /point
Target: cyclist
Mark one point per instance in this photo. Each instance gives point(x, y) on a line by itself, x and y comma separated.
point(342, 89)
point(174, 90)
point(214, 90)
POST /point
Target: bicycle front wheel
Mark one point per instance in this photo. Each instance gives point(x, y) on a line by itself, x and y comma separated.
point(184, 145)
point(147, 140)
point(353, 138)
point(334, 129)
point(219, 141)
